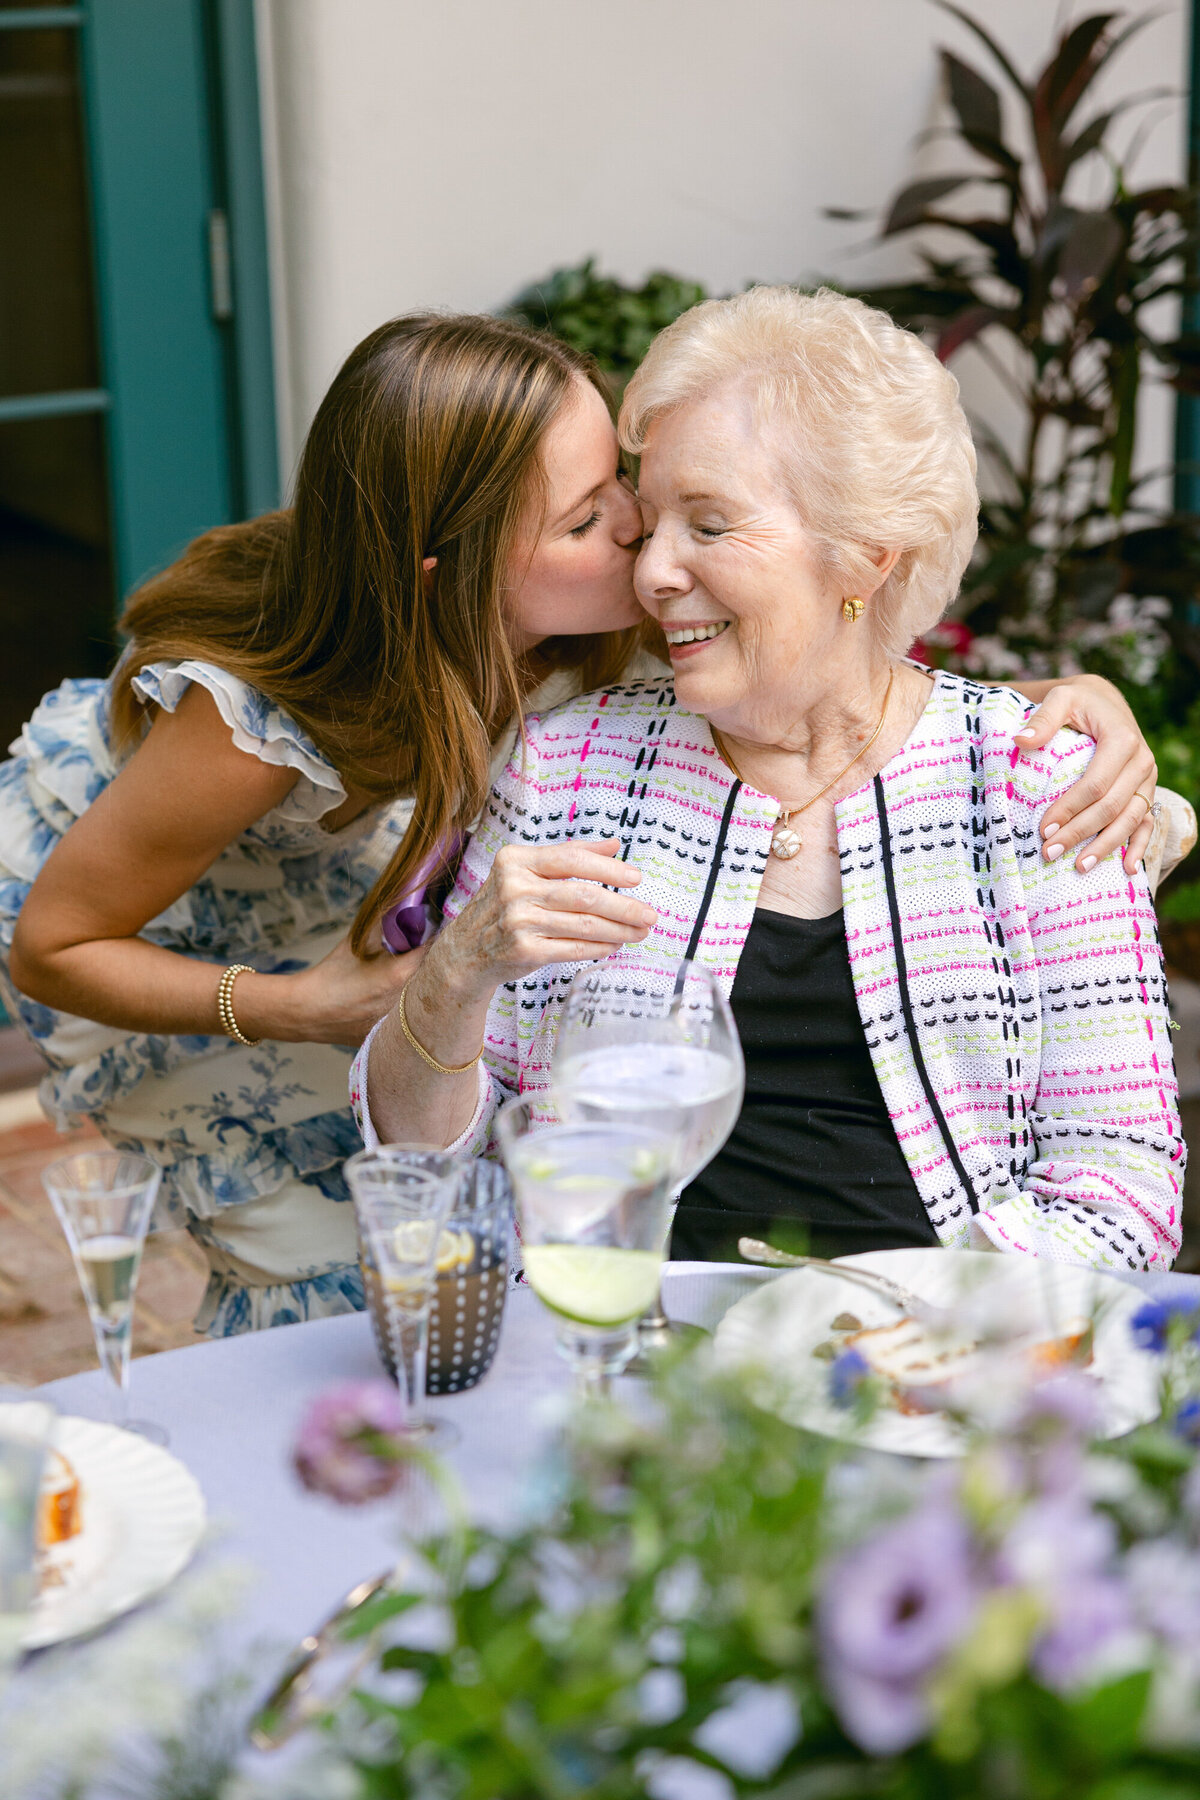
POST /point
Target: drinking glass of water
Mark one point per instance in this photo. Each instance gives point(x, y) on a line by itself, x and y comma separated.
point(652, 1047)
point(593, 1201)
point(104, 1201)
point(403, 1197)
point(26, 1427)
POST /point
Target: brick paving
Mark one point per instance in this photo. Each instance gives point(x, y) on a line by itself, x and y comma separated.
point(44, 1329)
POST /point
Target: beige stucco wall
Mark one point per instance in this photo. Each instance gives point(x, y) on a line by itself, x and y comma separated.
point(445, 152)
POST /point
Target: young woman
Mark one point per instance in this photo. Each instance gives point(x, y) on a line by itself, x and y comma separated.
point(184, 847)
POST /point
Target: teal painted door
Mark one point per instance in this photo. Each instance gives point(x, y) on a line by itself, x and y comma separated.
point(136, 402)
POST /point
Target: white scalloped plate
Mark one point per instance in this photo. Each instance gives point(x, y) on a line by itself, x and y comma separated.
point(143, 1515)
point(778, 1326)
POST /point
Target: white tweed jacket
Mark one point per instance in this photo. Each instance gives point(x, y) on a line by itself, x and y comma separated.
point(1015, 1010)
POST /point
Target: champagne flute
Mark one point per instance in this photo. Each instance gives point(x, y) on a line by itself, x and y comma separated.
point(104, 1201)
point(648, 1045)
point(403, 1196)
point(26, 1427)
point(593, 1203)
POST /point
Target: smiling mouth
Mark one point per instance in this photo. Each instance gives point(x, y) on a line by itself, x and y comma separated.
point(695, 634)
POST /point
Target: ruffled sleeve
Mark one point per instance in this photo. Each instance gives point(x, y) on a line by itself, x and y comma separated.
point(258, 726)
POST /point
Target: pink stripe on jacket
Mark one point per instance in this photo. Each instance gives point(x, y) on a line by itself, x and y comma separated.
point(1015, 1010)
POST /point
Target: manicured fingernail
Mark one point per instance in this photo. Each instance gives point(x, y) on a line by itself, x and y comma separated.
point(1089, 862)
point(1023, 734)
point(1049, 828)
point(1053, 851)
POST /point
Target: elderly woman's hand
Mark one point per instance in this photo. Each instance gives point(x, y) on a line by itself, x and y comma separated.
point(1111, 803)
point(542, 905)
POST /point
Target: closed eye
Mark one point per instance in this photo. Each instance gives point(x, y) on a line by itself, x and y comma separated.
point(578, 531)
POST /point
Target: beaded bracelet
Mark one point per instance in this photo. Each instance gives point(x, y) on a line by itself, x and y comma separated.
point(442, 1068)
point(229, 1023)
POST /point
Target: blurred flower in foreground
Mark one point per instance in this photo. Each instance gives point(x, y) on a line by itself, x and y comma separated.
point(349, 1445)
point(888, 1613)
point(1062, 1551)
point(847, 1374)
point(1156, 1323)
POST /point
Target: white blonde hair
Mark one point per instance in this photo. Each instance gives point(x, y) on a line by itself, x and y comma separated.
point(878, 451)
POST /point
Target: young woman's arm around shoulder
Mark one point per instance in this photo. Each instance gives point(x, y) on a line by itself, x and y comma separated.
point(183, 797)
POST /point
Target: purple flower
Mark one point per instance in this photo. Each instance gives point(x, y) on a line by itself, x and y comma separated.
point(338, 1445)
point(1151, 1324)
point(1057, 1418)
point(847, 1373)
point(1070, 1401)
point(1085, 1617)
point(1062, 1551)
point(1186, 1423)
point(1164, 1582)
point(888, 1613)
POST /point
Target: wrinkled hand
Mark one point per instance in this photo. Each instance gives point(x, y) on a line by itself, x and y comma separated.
point(1110, 801)
point(344, 995)
point(543, 905)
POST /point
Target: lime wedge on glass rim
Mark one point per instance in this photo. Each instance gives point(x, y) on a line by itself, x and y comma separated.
point(594, 1284)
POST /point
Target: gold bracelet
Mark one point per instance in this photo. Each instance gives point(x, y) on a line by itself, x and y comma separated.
point(229, 1023)
point(442, 1068)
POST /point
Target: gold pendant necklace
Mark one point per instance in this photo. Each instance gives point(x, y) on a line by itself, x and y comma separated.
point(786, 843)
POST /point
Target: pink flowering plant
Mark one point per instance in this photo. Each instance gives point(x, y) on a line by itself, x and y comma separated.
point(707, 1595)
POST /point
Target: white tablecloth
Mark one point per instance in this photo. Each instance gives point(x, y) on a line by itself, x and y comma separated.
point(232, 1408)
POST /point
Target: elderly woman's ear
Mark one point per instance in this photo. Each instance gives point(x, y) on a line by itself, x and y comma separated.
point(883, 561)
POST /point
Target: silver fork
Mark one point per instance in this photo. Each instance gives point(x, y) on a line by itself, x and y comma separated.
point(754, 1250)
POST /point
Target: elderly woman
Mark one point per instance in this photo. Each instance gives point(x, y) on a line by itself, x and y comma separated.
point(952, 1035)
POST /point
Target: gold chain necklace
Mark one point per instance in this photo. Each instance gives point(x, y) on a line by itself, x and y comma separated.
point(786, 843)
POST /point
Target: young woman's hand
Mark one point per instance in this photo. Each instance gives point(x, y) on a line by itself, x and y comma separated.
point(1111, 802)
point(541, 905)
point(338, 1000)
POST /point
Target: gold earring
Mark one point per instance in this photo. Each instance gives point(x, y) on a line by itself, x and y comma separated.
point(852, 609)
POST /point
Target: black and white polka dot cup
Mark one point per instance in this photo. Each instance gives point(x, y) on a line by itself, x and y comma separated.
point(472, 1280)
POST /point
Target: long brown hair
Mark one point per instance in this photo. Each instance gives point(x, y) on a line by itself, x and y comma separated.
point(427, 444)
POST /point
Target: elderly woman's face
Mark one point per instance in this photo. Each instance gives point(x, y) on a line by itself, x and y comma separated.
point(726, 567)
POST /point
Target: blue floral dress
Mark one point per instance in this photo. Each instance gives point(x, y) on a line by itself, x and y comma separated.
point(251, 1141)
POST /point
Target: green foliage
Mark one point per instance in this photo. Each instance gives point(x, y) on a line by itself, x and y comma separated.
point(1057, 295)
point(675, 1568)
point(596, 313)
point(1182, 903)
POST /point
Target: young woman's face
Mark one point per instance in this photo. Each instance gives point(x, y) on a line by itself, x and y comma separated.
point(572, 572)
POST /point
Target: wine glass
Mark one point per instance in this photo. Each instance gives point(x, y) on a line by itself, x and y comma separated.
point(593, 1201)
point(403, 1195)
point(104, 1200)
point(26, 1427)
point(647, 1046)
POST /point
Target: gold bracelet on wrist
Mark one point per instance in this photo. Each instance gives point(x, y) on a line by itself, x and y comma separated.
point(442, 1068)
point(229, 1024)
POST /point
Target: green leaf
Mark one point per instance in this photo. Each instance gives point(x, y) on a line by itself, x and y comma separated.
point(1107, 1722)
point(377, 1612)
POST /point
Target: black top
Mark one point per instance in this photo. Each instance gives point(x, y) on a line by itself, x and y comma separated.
point(813, 1162)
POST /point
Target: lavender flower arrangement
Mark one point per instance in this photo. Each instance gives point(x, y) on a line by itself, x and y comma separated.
point(716, 1603)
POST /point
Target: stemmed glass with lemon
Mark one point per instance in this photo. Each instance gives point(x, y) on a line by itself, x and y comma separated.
point(593, 1204)
point(403, 1196)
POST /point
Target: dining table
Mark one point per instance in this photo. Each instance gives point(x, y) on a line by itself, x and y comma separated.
point(232, 1407)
